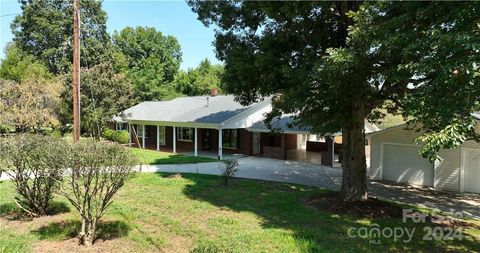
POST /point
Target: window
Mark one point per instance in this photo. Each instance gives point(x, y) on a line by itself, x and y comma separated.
point(230, 138)
point(185, 134)
point(140, 131)
point(119, 126)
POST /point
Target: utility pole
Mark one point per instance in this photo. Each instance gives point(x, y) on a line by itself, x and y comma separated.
point(76, 72)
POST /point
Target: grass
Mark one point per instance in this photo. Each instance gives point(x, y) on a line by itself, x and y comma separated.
point(195, 213)
point(151, 157)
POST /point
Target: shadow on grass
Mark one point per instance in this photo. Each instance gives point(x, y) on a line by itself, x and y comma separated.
point(284, 207)
point(69, 229)
point(12, 211)
point(182, 159)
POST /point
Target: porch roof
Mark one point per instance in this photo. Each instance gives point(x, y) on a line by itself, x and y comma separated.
point(284, 125)
point(198, 109)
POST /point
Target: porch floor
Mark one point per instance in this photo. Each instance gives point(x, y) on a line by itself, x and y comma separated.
point(309, 156)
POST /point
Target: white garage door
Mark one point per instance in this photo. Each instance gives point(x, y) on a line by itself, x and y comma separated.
point(403, 164)
point(471, 170)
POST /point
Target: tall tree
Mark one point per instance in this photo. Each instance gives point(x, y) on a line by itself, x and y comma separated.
point(44, 29)
point(30, 102)
point(17, 65)
point(334, 63)
point(104, 94)
point(200, 80)
point(153, 61)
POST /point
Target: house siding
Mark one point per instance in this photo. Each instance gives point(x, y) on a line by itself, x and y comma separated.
point(447, 169)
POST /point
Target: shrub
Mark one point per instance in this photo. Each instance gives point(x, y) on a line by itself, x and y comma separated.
point(228, 168)
point(121, 137)
point(35, 164)
point(108, 133)
point(99, 171)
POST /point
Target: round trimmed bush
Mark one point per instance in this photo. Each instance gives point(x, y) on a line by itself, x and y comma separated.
point(121, 137)
point(108, 134)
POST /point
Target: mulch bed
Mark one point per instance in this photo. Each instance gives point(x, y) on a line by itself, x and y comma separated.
point(372, 208)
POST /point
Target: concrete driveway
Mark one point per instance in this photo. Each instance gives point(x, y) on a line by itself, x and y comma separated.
point(331, 178)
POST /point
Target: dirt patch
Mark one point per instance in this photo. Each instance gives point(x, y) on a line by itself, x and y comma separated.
point(451, 222)
point(71, 245)
point(372, 208)
point(175, 176)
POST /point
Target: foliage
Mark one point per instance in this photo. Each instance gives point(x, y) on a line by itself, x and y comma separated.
point(199, 81)
point(32, 102)
point(18, 65)
point(228, 168)
point(387, 115)
point(107, 133)
point(104, 94)
point(451, 136)
point(435, 65)
point(35, 163)
point(121, 136)
point(44, 29)
point(98, 171)
point(152, 58)
point(334, 63)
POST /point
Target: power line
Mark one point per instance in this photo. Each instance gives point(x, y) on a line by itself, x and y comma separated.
point(11, 14)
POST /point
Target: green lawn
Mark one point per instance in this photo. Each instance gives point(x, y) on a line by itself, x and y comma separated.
point(147, 156)
point(153, 213)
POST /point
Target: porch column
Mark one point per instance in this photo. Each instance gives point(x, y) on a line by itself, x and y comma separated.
point(129, 135)
point(174, 140)
point(158, 137)
point(220, 145)
point(195, 143)
point(143, 136)
point(333, 150)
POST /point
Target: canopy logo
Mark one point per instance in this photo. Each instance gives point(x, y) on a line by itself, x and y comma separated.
point(433, 231)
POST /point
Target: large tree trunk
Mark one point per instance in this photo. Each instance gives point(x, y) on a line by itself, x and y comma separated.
point(354, 183)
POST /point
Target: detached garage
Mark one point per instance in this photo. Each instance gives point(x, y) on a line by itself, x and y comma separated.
point(395, 157)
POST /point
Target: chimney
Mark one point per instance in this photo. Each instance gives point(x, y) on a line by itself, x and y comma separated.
point(213, 92)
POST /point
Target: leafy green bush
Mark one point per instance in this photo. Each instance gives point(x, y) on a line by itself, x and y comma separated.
point(5, 129)
point(228, 168)
point(35, 163)
point(121, 137)
point(99, 171)
point(56, 133)
point(108, 134)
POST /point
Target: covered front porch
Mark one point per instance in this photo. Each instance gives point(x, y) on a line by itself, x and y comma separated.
point(190, 139)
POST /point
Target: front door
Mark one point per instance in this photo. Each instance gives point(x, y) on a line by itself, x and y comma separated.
point(256, 143)
point(206, 140)
point(161, 135)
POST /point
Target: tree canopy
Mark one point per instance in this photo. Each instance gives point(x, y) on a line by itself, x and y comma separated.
point(200, 80)
point(152, 60)
point(104, 94)
point(44, 29)
point(32, 100)
point(334, 63)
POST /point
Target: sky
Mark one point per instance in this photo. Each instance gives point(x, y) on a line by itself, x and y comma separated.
point(169, 17)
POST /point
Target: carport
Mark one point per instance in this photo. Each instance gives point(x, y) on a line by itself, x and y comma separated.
point(283, 140)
